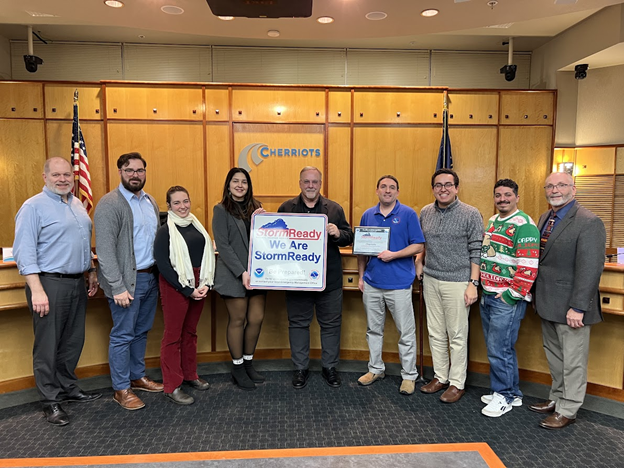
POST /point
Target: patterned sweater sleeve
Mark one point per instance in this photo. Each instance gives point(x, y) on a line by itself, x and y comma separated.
point(526, 246)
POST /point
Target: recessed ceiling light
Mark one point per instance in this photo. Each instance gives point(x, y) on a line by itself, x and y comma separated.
point(226, 18)
point(429, 12)
point(172, 10)
point(325, 19)
point(273, 33)
point(376, 15)
point(113, 3)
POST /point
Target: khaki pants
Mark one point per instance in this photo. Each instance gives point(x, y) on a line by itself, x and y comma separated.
point(399, 303)
point(567, 351)
point(447, 323)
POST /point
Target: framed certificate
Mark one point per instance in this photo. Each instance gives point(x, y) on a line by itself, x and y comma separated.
point(371, 240)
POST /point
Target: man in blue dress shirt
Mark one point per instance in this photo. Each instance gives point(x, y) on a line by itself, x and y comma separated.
point(53, 251)
point(126, 220)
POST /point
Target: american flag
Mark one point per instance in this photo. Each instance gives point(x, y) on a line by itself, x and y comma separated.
point(81, 164)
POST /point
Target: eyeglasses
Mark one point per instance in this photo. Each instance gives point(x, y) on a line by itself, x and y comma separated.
point(551, 187)
point(130, 172)
point(447, 186)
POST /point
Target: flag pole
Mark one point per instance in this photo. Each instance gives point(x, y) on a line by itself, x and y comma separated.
point(444, 128)
point(74, 155)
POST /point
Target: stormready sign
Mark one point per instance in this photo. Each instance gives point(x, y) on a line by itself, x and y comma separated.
point(288, 251)
point(259, 152)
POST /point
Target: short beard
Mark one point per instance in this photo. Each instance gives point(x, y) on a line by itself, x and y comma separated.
point(53, 189)
point(562, 201)
point(130, 188)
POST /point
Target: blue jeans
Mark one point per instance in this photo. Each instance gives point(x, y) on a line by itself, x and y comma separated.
point(128, 337)
point(501, 323)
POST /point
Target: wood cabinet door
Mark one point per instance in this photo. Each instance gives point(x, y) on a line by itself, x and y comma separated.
point(21, 100)
point(278, 105)
point(154, 102)
point(527, 107)
point(60, 101)
point(473, 108)
point(398, 107)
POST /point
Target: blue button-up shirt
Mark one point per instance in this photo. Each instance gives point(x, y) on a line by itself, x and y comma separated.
point(52, 236)
point(144, 229)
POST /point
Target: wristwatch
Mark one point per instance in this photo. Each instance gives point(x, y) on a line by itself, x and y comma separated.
point(475, 283)
point(91, 270)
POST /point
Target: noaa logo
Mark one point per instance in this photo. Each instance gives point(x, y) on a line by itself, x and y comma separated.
point(252, 150)
point(396, 220)
point(314, 274)
point(258, 272)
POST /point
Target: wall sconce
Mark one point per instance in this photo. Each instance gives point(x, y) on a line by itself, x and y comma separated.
point(567, 167)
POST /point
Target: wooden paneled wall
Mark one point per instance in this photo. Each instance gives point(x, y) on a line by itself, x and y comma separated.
point(599, 179)
point(191, 134)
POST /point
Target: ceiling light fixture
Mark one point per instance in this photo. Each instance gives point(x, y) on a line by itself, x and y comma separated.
point(225, 18)
point(172, 10)
point(113, 3)
point(376, 15)
point(325, 19)
point(273, 33)
point(429, 12)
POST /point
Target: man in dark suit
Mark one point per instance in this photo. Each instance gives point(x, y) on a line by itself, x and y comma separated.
point(572, 252)
point(328, 303)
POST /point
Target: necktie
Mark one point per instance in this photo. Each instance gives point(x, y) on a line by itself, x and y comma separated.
point(547, 233)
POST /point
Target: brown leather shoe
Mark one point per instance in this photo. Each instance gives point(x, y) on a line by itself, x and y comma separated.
point(556, 421)
point(128, 400)
point(434, 386)
point(544, 407)
point(146, 385)
point(452, 394)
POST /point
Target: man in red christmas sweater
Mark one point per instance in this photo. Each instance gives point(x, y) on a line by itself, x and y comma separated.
point(509, 260)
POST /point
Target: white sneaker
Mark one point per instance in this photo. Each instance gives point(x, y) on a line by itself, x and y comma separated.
point(517, 401)
point(497, 407)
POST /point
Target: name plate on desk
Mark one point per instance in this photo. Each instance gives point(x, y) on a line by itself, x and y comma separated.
point(288, 251)
point(371, 240)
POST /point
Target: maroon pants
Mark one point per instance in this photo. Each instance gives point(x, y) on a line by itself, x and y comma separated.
point(178, 350)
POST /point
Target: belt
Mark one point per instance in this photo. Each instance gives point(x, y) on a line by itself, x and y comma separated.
point(62, 275)
point(147, 270)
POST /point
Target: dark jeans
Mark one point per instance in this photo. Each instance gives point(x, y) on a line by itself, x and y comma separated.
point(59, 337)
point(128, 338)
point(300, 306)
point(501, 323)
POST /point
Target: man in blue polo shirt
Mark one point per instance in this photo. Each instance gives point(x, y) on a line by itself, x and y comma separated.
point(386, 281)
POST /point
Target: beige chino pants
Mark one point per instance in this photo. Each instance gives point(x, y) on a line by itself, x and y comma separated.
point(447, 323)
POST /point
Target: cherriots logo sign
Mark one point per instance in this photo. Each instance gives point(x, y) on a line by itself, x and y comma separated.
point(261, 151)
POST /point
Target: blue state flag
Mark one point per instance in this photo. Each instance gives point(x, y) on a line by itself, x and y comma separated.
point(445, 158)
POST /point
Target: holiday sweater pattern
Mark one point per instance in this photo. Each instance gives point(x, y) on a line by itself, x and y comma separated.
point(510, 256)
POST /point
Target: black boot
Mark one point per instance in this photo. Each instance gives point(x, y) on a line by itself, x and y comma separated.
point(241, 379)
point(252, 373)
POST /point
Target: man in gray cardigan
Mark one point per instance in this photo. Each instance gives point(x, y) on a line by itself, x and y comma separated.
point(453, 235)
point(126, 220)
point(572, 253)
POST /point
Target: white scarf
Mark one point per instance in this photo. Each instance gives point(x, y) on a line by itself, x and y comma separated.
point(179, 252)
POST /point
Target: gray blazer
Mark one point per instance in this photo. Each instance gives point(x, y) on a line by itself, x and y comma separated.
point(230, 235)
point(570, 267)
point(114, 243)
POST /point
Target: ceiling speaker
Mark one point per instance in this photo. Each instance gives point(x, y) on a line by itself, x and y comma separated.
point(262, 8)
